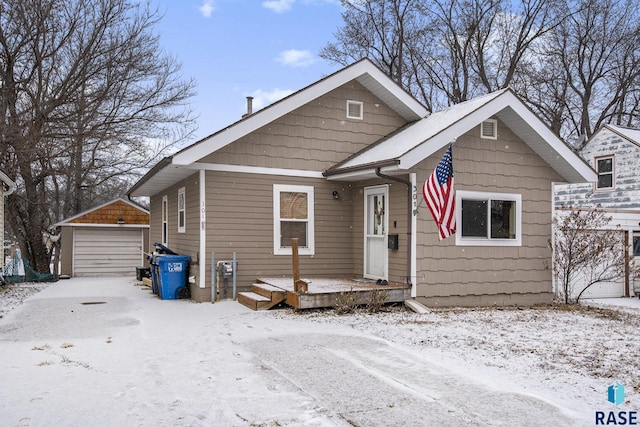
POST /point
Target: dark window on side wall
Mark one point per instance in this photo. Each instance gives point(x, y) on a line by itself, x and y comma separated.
point(604, 167)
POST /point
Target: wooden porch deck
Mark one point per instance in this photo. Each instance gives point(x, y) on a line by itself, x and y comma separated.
point(268, 292)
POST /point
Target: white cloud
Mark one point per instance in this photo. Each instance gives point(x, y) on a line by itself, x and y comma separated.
point(296, 58)
point(207, 8)
point(263, 98)
point(278, 6)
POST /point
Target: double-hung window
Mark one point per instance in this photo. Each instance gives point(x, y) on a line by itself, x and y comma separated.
point(293, 214)
point(604, 167)
point(181, 211)
point(165, 220)
point(488, 219)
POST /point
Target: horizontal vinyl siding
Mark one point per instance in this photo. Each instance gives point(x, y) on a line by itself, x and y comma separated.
point(240, 219)
point(506, 165)
point(182, 243)
point(626, 191)
point(315, 136)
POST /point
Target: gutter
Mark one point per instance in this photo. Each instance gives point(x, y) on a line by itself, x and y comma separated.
point(9, 182)
point(154, 170)
point(367, 166)
point(409, 217)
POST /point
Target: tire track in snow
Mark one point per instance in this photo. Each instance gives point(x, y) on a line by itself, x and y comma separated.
point(367, 381)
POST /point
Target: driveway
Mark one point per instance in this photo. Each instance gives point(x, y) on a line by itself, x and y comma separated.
point(108, 352)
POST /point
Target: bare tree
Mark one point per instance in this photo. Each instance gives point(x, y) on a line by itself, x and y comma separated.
point(575, 62)
point(381, 30)
point(88, 98)
point(593, 54)
point(586, 251)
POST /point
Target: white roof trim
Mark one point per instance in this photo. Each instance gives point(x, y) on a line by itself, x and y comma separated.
point(130, 203)
point(94, 225)
point(370, 75)
point(432, 133)
point(631, 135)
point(221, 167)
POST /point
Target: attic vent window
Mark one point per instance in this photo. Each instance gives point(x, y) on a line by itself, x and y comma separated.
point(489, 129)
point(354, 110)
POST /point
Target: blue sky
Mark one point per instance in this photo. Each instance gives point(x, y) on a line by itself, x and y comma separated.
point(240, 48)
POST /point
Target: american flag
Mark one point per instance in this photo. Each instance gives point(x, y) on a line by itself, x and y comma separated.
point(440, 197)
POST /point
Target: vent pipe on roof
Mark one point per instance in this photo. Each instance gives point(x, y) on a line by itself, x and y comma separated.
point(249, 107)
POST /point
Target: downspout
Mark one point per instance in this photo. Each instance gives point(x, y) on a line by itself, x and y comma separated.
point(10, 184)
point(409, 217)
point(202, 259)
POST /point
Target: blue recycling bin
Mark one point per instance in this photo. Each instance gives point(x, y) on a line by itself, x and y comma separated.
point(172, 274)
point(154, 277)
point(155, 273)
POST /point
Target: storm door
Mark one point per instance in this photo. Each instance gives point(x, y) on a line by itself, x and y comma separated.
point(376, 212)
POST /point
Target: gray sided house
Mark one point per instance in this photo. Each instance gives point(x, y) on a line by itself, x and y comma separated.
point(7, 186)
point(614, 152)
point(340, 164)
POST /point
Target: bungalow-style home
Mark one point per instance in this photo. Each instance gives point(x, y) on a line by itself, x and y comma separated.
point(614, 152)
point(340, 165)
point(7, 186)
point(108, 240)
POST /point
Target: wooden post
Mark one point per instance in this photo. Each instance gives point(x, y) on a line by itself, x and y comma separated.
point(296, 263)
point(298, 285)
point(627, 266)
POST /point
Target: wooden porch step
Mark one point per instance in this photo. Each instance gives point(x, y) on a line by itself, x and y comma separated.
point(269, 291)
point(254, 301)
point(262, 296)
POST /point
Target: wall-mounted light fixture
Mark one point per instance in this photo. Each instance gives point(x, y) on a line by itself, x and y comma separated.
point(336, 195)
point(120, 220)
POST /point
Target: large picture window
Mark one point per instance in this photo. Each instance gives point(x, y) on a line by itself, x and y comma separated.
point(604, 167)
point(488, 219)
point(293, 217)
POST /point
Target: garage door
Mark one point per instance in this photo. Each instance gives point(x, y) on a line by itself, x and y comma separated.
point(605, 290)
point(107, 251)
point(600, 290)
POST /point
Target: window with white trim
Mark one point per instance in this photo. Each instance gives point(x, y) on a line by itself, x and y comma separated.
point(354, 110)
point(181, 211)
point(488, 219)
point(293, 216)
point(605, 170)
point(489, 129)
point(165, 218)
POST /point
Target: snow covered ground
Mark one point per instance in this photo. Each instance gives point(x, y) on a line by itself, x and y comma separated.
point(108, 352)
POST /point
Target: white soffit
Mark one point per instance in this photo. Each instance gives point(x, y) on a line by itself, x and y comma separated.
point(162, 180)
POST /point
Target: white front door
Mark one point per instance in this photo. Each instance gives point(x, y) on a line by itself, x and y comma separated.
point(376, 208)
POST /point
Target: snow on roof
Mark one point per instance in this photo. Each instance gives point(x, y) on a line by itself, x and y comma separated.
point(419, 132)
point(633, 135)
point(414, 143)
point(177, 167)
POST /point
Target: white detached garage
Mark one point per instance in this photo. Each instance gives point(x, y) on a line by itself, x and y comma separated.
point(108, 240)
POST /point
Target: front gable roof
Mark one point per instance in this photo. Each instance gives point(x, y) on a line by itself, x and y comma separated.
point(418, 141)
point(109, 214)
point(179, 166)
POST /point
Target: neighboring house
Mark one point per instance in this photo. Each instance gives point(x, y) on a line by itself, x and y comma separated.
point(108, 240)
point(7, 186)
point(614, 152)
point(340, 164)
